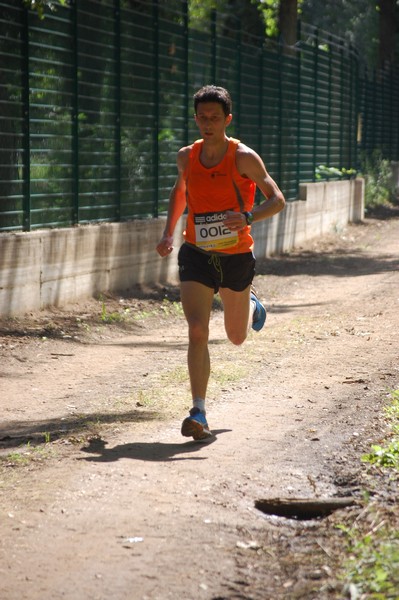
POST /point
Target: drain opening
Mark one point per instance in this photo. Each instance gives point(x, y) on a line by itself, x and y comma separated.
point(302, 509)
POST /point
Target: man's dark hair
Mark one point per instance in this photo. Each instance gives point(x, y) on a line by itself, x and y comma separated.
point(213, 93)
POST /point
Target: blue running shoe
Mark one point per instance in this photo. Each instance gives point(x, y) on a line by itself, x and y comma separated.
point(196, 426)
point(259, 316)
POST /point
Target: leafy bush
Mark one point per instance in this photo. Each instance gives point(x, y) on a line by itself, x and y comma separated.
point(377, 173)
point(388, 455)
point(324, 172)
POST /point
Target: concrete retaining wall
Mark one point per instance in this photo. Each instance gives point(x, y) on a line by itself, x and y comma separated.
point(58, 266)
point(322, 208)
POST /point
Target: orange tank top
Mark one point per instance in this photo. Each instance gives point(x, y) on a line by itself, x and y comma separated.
point(212, 191)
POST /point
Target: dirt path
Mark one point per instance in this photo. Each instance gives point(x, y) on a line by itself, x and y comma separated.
point(101, 497)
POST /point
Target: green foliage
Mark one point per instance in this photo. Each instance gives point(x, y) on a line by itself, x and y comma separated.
point(357, 21)
point(269, 10)
point(384, 456)
point(372, 542)
point(392, 411)
point(172, 308)
point(199, 12)
point(387, 456)
point(230, 15)
point(113, 317)
point(354, 20)
point(373, 565)
point(25, 456)
point(168, 308)
point(378, 179)
point(270, 13)
point(324, 172)
point(40, 5)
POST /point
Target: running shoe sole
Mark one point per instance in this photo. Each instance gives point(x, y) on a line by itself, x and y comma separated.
point(194, 429)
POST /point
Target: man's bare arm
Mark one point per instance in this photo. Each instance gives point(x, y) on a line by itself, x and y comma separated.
point(252, 166)
point(177, 205)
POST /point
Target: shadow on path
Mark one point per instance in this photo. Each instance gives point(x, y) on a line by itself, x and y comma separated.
point(147, 451)
point(19, 433)
point(342, 264)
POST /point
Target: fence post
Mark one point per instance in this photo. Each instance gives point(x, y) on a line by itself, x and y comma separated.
point(395, 102)
point(299, 136)
point(213, 46)
point(341, 108)
point(260, 98)
point(373, 127)
point(392, 118)
point(26, 210)
point(186, 71)
point(75, 114)
point(237, 109)
point(329, 113)
point(315, 103)
point(280, 113)
point(155, 22)
point(359, 131)
point(117, 20)
point(353, 109)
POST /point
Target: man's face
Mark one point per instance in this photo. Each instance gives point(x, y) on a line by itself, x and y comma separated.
point(211, 120)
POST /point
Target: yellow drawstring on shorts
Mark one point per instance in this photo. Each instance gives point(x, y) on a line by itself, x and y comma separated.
point(215, 261)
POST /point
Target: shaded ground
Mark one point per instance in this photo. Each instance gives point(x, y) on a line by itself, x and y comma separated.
point(101, 497)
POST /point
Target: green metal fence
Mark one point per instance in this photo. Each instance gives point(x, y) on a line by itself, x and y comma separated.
point(96, 100)
point(379, 113)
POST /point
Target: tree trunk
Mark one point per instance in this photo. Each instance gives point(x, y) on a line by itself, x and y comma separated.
point(287, 21)
point(387, 31)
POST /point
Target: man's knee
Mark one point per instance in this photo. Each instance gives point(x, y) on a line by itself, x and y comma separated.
point(198, 333)
point(237, 337)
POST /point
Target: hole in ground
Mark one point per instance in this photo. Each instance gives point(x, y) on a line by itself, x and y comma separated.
point(302, 509)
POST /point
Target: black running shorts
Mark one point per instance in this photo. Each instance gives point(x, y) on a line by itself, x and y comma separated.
point(233, 271)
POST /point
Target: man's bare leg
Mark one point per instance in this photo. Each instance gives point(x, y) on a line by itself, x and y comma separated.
point(238, 312)
point(242, 310)
point(197, 305)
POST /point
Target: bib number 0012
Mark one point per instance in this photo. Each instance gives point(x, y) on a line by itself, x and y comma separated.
point(211, 233)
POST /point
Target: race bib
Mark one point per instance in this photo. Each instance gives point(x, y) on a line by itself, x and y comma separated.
point(212, 234)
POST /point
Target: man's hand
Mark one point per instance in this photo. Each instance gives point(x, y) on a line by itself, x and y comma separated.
point(165, 246)
point(234, 220)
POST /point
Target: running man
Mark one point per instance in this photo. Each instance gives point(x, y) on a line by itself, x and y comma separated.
point(216, 180)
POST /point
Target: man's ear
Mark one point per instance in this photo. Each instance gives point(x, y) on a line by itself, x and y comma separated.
point(229, 119)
